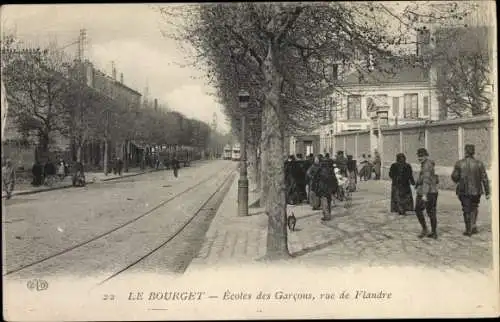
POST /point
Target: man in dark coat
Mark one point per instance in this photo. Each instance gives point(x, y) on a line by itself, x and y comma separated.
point(472, 181)
point(37, 172)
point(427, 194)
point(341, 162)
point(327, 186)
point(377, 165)
point(313, 182)
point(401, 175)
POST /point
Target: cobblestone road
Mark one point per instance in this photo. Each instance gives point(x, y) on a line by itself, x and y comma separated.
point(368, 233)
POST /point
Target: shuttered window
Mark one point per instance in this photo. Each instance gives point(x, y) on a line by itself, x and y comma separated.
point(395, 106)
point(426, 106)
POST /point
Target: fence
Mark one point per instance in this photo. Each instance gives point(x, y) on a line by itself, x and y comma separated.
point(445, 141)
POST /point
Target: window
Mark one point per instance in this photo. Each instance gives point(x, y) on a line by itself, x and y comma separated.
point(354, 107)
point(395, 106)
point(411, 106)
point(373, 103)
point(426, 106)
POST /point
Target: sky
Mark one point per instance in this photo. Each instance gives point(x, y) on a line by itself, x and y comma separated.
point(130, 35)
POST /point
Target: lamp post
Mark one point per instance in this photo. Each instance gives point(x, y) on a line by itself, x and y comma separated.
point(243, 98)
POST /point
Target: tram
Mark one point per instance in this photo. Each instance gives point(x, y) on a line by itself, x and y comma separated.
point(227, 152)
point(235, 155)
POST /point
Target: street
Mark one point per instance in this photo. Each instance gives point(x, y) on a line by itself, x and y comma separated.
point(105, 227)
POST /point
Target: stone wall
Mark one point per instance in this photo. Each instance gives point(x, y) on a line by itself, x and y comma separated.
point(445, 141)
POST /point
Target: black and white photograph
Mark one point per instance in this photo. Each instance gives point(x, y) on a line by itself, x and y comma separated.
point(249, 160)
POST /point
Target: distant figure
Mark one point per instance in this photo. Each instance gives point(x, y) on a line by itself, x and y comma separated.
point(341, 162)
point(369, 170)
point(377, 165)
point(352, 173)
point(49, 172)
point(119, 166)
point(61, 170)
point(175, 166)
point(312, 177)
point(363, 168)
point(8, 178)
point(427, 194)
point(327, 186)
point(37, 172)
point(472, 181)
point(78, 174)
point(401, 175)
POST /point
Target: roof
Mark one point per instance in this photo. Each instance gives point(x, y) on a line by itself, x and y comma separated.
point(388, 74)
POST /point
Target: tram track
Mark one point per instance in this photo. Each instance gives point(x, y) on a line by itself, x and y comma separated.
point(220, 188)
point(113, 230)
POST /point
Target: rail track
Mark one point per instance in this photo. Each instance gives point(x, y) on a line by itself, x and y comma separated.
point(200, 210)
point(125, 224)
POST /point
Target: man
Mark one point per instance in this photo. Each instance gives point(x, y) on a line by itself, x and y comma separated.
point(341, 162)
point(427, 194)
point(175, 166)
point(327, 186)
point(8, 178)
point(377, 165)
point(472, 181)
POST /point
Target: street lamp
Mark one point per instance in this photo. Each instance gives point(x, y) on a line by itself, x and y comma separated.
point(243, 98)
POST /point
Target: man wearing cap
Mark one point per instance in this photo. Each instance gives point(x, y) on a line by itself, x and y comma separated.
point(427, 194)
point(472, 181)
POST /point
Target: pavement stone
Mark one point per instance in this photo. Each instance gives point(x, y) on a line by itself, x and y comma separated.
point(366, 232)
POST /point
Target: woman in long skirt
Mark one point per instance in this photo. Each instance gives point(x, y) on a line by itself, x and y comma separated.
point(401, 174)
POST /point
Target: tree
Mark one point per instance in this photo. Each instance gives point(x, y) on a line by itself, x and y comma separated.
point(35, 89)
point(288, 51)
point(463, 71)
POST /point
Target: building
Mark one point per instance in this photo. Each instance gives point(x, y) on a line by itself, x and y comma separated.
point(367, 100)
point(111, 87)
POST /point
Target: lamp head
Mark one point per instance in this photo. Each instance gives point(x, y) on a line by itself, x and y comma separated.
point(243, 96)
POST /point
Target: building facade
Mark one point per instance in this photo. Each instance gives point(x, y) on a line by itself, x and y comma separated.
point(379, 99)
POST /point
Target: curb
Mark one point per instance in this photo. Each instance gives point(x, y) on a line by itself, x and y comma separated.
point(70, 185)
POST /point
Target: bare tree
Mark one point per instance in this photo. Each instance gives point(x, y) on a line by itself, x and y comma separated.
point(463, 71)
point(288, 50)
point(35, 87)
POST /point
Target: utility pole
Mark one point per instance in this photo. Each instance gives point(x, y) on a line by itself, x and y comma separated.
point(81, 45)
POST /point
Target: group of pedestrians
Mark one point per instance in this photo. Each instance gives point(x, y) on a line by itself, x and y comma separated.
point(115, 166)
point(369, 166)
point(47, 173)
point(316, 181)
point(471, 181)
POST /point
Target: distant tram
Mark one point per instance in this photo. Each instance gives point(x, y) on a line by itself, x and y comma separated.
point(228, 152)
point(235, 156)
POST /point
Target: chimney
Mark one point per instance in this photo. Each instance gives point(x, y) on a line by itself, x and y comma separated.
point(121, 78)
point(113, 70)
point(156, 104)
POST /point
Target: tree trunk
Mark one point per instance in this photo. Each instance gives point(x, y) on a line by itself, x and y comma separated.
point(79, 153)
point(273, 144)
point(125, 156)
point(43, 143)
point(105, 157)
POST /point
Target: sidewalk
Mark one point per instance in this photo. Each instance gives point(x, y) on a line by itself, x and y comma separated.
point(91, 177)
point(366, 232)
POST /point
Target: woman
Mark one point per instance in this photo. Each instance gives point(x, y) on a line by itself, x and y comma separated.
point(312, 176)
point(401, 175)
point(352, 173)
point(61, 171)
